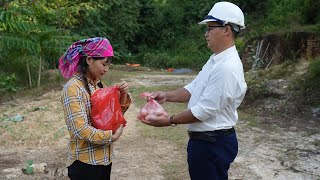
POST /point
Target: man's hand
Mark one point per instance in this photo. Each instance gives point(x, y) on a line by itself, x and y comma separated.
point(159, 96)
point(156, 121)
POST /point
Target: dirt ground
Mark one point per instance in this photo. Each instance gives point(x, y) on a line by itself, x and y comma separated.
point(268, 152)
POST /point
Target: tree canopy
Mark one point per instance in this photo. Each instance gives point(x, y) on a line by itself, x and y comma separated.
point(158, 33)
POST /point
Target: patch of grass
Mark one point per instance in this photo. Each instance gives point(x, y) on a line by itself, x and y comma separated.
point(59, 133)
point(5, 128)
point(117, 72)
point(176, 135)
point(253, 122)
point(174, 170)
point(257, 86)
point(316, 143)
point(287, 157)
point(306, 88)
point(292, 155)
point(310, 132)
point(257, 81)
point(249, 117)
point(280, 71)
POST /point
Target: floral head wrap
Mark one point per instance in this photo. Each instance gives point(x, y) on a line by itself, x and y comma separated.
point(94, 47)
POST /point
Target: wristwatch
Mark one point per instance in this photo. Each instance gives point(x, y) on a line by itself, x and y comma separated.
point(171, 121)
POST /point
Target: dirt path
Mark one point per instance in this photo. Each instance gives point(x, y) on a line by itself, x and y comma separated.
point(42, 137)
point(264, 153)
point(137, 157)
point(276, 153)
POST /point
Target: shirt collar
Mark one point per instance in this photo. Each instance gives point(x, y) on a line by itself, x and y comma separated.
point(91, 82)
point(217, 57)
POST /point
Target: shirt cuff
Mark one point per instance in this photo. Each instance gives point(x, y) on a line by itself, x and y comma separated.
point(199, 113)
point(188, 88)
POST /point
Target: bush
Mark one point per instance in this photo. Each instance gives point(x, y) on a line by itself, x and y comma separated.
point(158, 60)
point(8, 83)
point(314, 69)
point(307, 87)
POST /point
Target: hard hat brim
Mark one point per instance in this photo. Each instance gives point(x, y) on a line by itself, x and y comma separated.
point(212, 20)
point(207, 20)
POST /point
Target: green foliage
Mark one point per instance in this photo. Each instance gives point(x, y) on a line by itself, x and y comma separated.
point(8, 83)
point(156, 60)
point(240, 44)
point(283, 15)
point(314, 69)
point(316, 143)
point(310, 12)
point(153, 33)
point(23, 34)
point(257, 89)
point(258, 81)
point(306, 88)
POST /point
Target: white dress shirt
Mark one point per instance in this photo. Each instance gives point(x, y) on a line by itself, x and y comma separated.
point(217, 92)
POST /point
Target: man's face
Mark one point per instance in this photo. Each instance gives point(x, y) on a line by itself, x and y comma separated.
point(214, 35)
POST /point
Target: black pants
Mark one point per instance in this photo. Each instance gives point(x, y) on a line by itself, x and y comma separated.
point(82, 171)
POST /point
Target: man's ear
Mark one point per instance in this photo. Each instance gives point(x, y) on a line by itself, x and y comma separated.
point(228, 30)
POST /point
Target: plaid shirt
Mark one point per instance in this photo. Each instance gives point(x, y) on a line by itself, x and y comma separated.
point(86, 144)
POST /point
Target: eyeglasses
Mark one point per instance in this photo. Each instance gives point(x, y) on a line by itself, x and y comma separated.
point(209, 28)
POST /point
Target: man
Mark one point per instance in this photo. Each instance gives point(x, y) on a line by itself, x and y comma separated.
point(213, 98)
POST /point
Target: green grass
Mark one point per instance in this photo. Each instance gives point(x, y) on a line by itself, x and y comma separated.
point(316, 143)
point(175, 170)
point(176, 135)
point(117, 72)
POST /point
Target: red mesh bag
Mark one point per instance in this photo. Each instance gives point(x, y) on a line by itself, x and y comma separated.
point(106, 109)
point(152, 108)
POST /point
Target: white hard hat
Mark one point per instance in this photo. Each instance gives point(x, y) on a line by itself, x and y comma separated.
point(225, 13)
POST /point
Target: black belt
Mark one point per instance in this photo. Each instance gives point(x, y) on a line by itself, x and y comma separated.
point(210, 135)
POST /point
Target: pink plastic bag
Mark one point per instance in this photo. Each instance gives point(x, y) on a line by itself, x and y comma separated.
point(106, 110)
point(152, 108)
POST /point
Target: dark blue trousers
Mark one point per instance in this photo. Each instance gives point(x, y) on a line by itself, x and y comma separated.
point(211, 160)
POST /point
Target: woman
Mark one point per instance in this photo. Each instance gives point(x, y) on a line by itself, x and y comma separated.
point(90, 149)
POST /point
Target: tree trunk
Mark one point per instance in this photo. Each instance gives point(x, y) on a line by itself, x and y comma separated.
point(40, 67)
point(29, 74)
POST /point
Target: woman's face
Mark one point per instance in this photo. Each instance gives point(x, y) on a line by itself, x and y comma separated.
point(97, 68)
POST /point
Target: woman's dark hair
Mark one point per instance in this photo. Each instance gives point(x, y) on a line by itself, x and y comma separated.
point(83, 67)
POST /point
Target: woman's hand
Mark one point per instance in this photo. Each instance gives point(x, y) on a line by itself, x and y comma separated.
point(123, 87)
point(117, 134)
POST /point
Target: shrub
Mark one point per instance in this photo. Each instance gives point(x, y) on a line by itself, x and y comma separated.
point(8, 83)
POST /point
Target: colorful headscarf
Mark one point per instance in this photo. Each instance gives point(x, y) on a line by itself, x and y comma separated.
point(94, 47)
